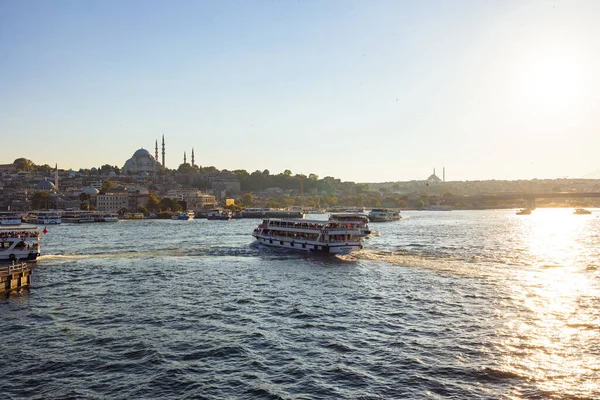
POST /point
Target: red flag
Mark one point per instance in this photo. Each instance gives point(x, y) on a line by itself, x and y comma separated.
point(45, 230)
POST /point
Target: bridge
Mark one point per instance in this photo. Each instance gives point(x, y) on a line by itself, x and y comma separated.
point(529, 197)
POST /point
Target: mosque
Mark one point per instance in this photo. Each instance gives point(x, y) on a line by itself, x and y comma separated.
point(143, 164)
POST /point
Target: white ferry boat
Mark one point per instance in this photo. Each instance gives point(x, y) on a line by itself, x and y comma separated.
point(384, 215)
point(19, 242)
point(219, 214)
point(353, 220)
point(107, 217)
point(45, 218)
point(309, 235)
point(78, 216)
point(10, 218)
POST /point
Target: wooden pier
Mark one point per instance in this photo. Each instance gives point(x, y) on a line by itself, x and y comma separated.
point(14, 277)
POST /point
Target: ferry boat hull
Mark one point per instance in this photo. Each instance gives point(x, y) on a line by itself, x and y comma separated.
point(310, 246)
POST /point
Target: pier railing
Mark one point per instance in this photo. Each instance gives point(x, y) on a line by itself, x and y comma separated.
point(13, 268)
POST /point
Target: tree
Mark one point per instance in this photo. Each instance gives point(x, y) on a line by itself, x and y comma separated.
point(44, 169)
point(332, 201)
point(24, 164)
point(287, 172)
point(153, 203)
point(247, 200)
point(41, 200)
point(105, 186)
point(105, 169)
point(186, 168)
point(272, 203)
point(166, 204)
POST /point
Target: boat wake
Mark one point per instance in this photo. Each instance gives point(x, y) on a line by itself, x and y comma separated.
point(444, 264)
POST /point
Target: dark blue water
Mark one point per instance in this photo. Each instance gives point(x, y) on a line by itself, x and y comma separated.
point(465, 305)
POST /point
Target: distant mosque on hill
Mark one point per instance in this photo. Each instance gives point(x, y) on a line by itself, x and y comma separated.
point(143, 164)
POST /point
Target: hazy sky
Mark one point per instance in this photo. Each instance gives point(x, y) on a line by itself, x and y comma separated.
point(365, 91)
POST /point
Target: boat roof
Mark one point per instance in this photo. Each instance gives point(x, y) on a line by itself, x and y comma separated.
point(300, 220)
point(17, 227)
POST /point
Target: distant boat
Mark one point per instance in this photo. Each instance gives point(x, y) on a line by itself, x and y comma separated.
point(183, 215)
point(10, 218)
point(524, 211)
point(581, 211)
point(45, 218)
point(384, 215)
point(219, 214)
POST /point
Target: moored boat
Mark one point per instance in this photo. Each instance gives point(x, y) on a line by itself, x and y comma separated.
point(183, 215)
point(524, 211)
point(10, 218)
point(107, 217)
point(219, 214)
point(581, 211)
point(384, 215)
point(44, 217)
point(309, 235)
point(19, 242)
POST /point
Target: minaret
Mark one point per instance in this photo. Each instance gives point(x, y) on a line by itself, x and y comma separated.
point(163, 151)
point(184, 159)
point(192, 156)
point(156, 150)
point(444, 174)
point(56, 176)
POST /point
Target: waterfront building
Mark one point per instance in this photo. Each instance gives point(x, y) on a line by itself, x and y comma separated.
point(118, 199)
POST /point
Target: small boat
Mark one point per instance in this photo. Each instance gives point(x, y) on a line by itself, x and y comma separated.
point(384, 215)
point(309, 235)
point(137, 215)
point(219, 214)
point(183, 215)
point(524, 211)
point(107, 217)
point(581, 211)
point(19, 242)
point(353, 220)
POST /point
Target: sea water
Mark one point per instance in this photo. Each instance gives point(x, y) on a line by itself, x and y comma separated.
point(458, 304)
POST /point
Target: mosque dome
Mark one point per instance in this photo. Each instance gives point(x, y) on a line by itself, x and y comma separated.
point(45, 185)
point(112, 174)
point(141, 153)
point(141, 162)
point(92, 191)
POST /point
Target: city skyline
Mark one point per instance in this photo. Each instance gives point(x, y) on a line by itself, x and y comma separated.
point(361, 91)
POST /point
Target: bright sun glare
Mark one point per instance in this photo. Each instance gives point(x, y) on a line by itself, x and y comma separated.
point(550, 81)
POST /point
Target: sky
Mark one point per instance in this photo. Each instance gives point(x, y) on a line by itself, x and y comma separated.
point(364, 91)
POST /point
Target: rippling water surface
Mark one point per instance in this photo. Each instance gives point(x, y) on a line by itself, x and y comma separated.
point(460, 304)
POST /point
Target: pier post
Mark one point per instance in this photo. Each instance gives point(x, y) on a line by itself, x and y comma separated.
point(14, 277)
